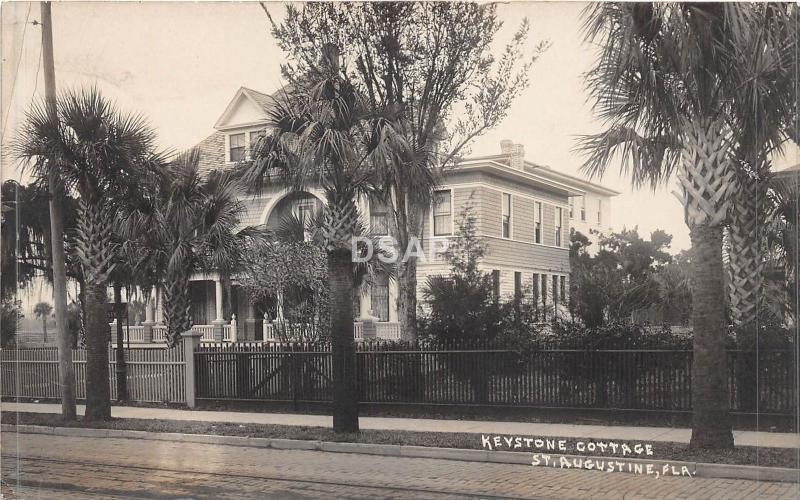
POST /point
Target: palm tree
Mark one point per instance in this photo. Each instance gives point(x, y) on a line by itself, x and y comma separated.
point(42, 311)
point(183, 224)
point(102, 154)
point(663, 84)
point(762, 117)
point(325, 133)
point(783, 230)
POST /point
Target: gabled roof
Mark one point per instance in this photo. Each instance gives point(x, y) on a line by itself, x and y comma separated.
point(261, 100)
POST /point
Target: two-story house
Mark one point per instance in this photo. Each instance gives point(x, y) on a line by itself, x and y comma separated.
point(522, 211)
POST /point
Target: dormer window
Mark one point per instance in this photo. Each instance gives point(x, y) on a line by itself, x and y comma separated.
point(236, 147)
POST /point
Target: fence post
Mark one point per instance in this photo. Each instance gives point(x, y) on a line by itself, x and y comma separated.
point(233, 328)
point(191, 341)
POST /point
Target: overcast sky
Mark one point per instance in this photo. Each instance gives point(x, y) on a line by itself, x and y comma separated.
point(180, 64)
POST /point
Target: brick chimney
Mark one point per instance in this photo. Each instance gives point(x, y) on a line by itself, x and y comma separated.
point(514, 152)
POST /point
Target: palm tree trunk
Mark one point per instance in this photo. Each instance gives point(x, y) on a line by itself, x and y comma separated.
point(121, 367)
point(707, 180)
point(66, 371)
point(407, 297)
point(345, 396)
point(96, 253)
point(177, 304)
point(711, 427)
point(98, 394)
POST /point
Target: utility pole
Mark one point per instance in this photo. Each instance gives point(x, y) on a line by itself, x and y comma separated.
point(66, 372)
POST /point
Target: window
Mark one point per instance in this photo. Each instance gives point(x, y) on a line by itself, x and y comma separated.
point(583, 208)
point(559, 216)
point(555, 289)
point(506, 215)
point(544, 296)
point(517, 284)
point(254, 136)
point(442, 213)
point(496, 284)
point(563, 283)
point(357, 303)
point(599, 211)
point(380, 298)
point(544, 289)
point(537, 215)
point(304, 211)
point(236, 147)
point(378, 217)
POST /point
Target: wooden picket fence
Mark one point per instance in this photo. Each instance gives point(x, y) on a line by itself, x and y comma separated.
point(463, 374)
point(154, 374)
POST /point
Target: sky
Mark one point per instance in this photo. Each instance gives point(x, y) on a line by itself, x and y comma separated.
point(179, 64)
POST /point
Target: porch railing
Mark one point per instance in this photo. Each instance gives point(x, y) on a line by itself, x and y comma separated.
point(135, 334)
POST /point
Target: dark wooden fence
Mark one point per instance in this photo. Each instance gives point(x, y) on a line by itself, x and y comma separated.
point(459, 374)
point(154, 374)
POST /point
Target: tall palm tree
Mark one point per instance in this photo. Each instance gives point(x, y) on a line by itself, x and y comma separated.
point(183, 224)
point(762, 118)
point(664, 83)
point(325, 133)
point(102, 154)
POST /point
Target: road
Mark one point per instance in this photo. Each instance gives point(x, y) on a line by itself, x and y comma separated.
point(51, 467)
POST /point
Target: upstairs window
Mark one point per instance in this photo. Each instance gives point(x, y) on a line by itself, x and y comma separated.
point(378, 218)
point(442, 213)
point(559, 216)
point(583, 208)
point(506, 219)
point(236, 147)
point(599, 211)
point(537, 215)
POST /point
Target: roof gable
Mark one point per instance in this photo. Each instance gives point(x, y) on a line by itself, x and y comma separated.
point(248, 107)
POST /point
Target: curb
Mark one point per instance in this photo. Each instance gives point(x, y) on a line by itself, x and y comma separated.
point(696, 469)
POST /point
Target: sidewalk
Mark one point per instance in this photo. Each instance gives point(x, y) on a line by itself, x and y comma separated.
point(643, 434)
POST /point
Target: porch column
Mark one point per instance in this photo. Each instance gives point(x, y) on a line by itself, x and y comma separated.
point(252, 323)
point(147, 330)
point(219, 321)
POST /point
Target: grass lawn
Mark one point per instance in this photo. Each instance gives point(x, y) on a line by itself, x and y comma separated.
point(744, 455)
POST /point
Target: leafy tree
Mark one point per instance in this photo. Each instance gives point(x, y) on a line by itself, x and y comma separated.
point(102, 154)
point(620, 280)
point(431, 63)
point(9, 321)
point(42, 310)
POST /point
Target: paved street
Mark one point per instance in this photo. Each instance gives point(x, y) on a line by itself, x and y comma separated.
point(70, 467)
